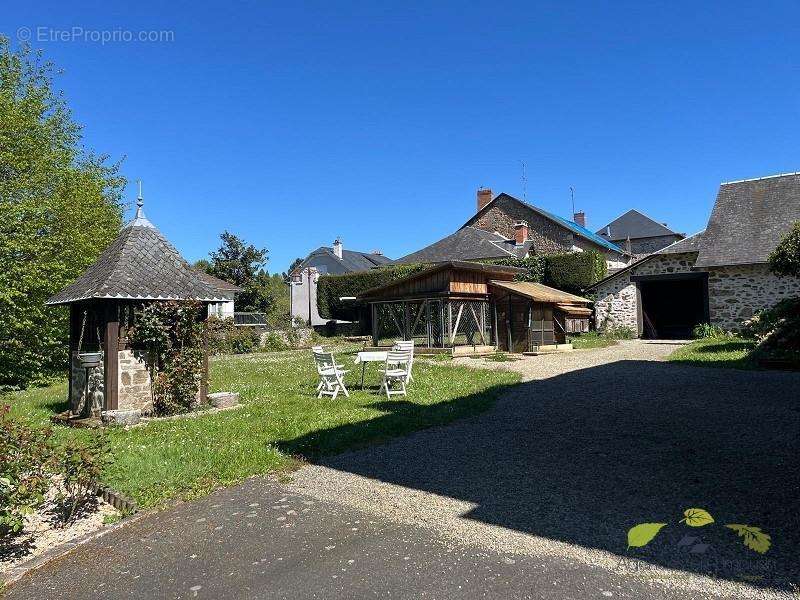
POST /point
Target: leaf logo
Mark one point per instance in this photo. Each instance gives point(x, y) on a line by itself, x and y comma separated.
point(696, 517)
point(641, 535)
point(753, 537)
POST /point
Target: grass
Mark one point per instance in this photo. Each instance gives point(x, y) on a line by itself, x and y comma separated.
point(591, 339)
point(729, 352)
point(280, 421)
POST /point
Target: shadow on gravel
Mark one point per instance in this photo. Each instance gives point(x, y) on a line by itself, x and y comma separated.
point(584, 456)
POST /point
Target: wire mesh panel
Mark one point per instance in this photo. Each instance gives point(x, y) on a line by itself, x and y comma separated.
point(469, 323)
point(390, 316)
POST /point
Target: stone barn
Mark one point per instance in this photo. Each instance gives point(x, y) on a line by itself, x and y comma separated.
point(718, 276)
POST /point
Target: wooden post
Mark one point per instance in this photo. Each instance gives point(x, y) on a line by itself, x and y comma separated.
point(204, 378)
point(111, 358)
point(406, 322)
point(374, 308)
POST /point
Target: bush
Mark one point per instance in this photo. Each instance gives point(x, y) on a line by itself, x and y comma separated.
point(777, 330)
point(26, 456)
point(225, 338)
point(533, 267)
point(273, 342)
point(785, 259)
point(706, 330)
point(619, 332)
point(80, 464)
point(332, 287)
point(573, 272)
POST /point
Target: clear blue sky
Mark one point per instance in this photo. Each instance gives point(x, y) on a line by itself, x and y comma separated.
point(289, 124)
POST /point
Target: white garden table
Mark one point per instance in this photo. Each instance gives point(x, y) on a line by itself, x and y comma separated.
point(368, 356)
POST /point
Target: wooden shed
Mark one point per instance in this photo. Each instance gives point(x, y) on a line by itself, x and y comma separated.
point(533, 317)
point(465, 306)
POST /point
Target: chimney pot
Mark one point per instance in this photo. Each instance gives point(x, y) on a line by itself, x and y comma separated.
point(580, 218)
point(337, 248)
point(484, 197)
point(520, 232)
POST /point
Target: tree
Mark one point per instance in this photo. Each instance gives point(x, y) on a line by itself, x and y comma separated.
point(785, 259)
point(243, 264)
point(59, 208)
point(287, 275)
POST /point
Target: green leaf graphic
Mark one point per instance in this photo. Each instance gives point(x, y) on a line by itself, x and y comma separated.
point(754, 538)
point(641, 534)
point(696, 517)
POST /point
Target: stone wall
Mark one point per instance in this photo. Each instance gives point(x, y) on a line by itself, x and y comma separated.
point(134, 383)
point(617, 304)
point(78, 401)
point(547, 236)
point(735, 293)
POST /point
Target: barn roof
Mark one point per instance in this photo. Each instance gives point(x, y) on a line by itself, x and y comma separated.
point(634, 224)
point(140, 264)
point(468, 243)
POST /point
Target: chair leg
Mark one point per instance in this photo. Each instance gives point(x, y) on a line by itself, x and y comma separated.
point(342, 385)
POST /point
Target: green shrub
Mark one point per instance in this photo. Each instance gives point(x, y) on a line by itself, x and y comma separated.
point(26, 455)
point(620, 332)
point(785, 259)
point(332, 287)
point(225, 338)
point(777, 330)
point(573, 272)
point(707, 330)
point(273, 342)
point(533, 267)
point(80, 464)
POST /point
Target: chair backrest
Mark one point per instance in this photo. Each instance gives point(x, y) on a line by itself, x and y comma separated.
point(398, 357)
point(324, 360)
point(407, 346)
point(317, 349)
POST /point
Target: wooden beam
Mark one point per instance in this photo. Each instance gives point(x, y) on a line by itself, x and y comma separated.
point(111, 359)
point(455, 327)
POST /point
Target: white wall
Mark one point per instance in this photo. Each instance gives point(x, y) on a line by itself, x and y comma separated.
point(300, 291)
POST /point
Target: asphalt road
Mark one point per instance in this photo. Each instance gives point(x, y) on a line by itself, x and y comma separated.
point(257, 541)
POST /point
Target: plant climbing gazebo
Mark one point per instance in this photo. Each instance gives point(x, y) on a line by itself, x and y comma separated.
point(107, 376)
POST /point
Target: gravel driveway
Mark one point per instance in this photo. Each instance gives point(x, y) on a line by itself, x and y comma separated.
point(591, 444)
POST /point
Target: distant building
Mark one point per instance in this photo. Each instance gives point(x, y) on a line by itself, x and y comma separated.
point(223, 309)
point(505, 227)
point(639, 234)
point(326, 260)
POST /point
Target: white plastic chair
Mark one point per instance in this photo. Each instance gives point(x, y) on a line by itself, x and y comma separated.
point(331, 380)
point(398, 367)
point(407, 345)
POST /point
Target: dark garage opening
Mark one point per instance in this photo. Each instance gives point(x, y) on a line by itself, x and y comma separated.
point(672, 307)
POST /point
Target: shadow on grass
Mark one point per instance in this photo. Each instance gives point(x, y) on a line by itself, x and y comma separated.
point(584, 456)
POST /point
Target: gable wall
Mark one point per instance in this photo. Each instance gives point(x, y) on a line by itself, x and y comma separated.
point(649, 245)
point(548, 237)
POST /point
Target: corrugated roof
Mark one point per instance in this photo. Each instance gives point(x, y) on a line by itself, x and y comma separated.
point(634, 224)
point(140, 264)
point(571, 309)
point(539, 292)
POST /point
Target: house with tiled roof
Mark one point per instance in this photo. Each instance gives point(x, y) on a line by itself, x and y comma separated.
point(639, 234)
point(718, 276)
point(504, 226)
point(326, 260)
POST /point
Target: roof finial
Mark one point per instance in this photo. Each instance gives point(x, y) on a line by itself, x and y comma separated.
point(139, 201)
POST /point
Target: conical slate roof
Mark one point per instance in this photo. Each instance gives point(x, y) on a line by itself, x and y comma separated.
point(139, 265)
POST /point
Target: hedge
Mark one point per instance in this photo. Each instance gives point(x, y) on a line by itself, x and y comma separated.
point(571, 272)
point(332, 287)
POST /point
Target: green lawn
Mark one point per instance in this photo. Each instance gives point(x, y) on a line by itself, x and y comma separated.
point(281, 421)
point(591, 339)
point(729, 352)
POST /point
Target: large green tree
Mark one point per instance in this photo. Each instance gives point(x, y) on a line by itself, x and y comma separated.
point(59, 208)
point(243, 264)
point(785, 259)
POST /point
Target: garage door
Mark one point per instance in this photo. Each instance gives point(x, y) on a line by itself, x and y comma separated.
point(672, 306)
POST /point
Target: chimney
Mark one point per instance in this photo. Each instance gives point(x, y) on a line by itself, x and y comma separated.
point(580, 218)
point(337, 248)
point(377, 252)
point(520, 232)
point(484, 197)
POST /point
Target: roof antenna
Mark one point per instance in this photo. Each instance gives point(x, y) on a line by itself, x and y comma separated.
point(572, 196)
point(524, 182)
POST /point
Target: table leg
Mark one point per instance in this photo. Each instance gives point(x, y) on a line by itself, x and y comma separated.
point(363, 364)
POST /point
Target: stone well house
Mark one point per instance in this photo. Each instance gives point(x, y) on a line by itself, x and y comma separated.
point(639, 234)
point(326, 260)
point(718, 276)
point(504, 226)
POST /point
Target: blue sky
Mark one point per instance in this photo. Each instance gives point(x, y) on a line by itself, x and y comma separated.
point(292, 123)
